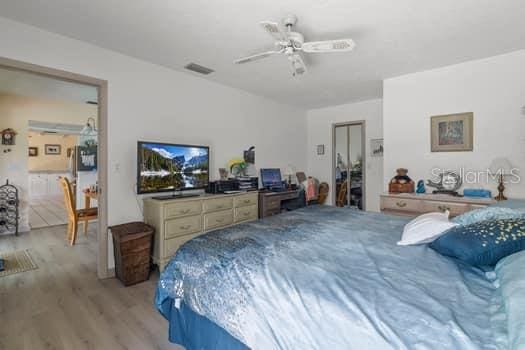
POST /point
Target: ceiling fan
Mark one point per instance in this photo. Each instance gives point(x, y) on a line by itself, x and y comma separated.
point(292, 43)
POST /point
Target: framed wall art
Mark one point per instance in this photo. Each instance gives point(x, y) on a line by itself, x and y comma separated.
point(452, 132)
point(32, 151)
point(86, 158)
point(376, 147)
point(54, 150)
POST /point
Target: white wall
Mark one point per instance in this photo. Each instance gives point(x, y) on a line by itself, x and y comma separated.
point(320, 123)
point(493, 88)
point(150, 102)
point(49, 162)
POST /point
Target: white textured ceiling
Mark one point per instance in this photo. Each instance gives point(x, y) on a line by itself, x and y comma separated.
point(393, 38)
point(32, 85)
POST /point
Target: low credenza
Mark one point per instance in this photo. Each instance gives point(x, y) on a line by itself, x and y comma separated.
point(179, 220)
point(411, 204)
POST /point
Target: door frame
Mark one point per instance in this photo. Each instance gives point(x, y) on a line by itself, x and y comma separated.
point(334, 158)
point(102, 122)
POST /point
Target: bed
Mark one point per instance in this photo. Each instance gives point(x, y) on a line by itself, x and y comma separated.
point(327, 278)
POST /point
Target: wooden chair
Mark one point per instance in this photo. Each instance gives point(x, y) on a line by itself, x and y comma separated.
point(75, 215)
point(323, 192)
point(341, 196)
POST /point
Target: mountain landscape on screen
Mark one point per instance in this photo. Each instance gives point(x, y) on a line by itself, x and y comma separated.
point(165, 167)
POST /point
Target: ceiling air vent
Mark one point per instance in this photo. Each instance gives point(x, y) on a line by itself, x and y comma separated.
point(198, 68)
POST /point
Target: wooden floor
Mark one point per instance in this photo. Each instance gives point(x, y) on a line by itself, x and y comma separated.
point(62, 304)
point(47, 211)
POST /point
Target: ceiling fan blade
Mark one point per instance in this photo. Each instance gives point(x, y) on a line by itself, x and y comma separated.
point(341, 45)
point(298, 66)
point(255, 57)
point(275, 30)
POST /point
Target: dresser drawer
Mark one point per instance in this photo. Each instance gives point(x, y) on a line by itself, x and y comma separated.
point(477, 206)
point(245, 200)
point(182, 226)
point(454, 208)
point(400, 204)
point(273, 203)
point(246, 213)
point(171, 245)
point(218, 219)
point(174, 210)
point(217, 204)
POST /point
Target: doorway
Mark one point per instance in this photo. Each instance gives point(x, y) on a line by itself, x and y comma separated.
point(349, 164)
point(101, 152)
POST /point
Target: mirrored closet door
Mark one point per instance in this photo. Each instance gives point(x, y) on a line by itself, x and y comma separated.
point(348, 160)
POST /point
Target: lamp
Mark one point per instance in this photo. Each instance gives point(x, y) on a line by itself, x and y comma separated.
point(289, 171)
point(89, 133)
point(90, 129)
point(502, 167)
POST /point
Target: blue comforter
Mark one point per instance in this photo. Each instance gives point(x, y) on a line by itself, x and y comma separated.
point(330, 278)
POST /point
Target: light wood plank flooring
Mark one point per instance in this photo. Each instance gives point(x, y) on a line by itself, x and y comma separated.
point(62, 304)
point(47, 211)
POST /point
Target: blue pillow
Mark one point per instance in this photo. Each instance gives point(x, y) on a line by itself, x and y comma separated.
point(483, 243)
point(488, 213)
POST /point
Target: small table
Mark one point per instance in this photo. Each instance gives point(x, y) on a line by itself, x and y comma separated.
point(88, 196)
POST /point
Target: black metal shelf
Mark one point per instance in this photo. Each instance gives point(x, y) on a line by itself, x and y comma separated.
point(9, 214)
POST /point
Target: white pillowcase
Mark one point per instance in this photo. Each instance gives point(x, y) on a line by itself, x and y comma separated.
point(425, 228)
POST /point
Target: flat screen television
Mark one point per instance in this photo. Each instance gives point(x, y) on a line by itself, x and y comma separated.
point(163, 167)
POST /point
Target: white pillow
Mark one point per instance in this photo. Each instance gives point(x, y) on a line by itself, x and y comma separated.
point(425, 228)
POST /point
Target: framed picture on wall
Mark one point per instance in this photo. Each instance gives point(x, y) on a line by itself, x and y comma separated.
point(452, 132)
point(86, 158)
point(376, 147)
point(53, 150)
point(32, 151)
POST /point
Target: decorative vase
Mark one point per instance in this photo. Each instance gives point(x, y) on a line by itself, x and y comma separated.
point(421, 187)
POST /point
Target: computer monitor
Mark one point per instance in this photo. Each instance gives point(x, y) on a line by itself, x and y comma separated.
point(271, 179)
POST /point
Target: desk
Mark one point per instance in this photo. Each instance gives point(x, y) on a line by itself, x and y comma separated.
point(271, 203)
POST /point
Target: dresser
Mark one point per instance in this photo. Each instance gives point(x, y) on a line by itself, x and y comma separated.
point(412, 204)
point(179, 220)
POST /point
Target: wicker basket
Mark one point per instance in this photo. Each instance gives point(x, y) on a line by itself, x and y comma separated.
point(132, 249)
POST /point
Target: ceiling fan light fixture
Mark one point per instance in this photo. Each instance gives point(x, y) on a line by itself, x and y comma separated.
point(291, 43)
point(342, 45)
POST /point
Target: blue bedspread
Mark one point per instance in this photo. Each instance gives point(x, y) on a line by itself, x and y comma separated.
point(327, 278)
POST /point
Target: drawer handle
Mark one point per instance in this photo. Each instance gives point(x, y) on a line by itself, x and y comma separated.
point(246, 201)
point(219, 220)
point(401, 204)
point(220, 206)
point(246, 213)
point(185, 227)
point(443, 208)
point(184, 211)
